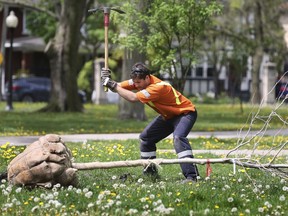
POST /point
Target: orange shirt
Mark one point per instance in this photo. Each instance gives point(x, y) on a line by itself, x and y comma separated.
point(162, 97)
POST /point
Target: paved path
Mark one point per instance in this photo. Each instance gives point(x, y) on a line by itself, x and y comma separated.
point(24, 140)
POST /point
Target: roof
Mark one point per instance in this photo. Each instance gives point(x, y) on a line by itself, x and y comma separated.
point(29, 43)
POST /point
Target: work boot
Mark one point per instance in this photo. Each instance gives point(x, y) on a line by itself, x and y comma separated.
point(189, 180)
point(151, 170)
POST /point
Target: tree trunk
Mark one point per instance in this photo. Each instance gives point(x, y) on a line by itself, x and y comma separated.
point(258, 54)
point(128, 110)
point(63, 54)
point(255, 88)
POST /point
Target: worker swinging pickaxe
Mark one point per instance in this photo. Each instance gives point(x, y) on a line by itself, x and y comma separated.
point(106, 11)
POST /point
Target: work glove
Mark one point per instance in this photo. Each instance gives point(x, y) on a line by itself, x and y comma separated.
point(105, 73)
point(108, 82)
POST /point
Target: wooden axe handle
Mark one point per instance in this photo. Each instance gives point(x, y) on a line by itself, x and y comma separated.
point(106, 66)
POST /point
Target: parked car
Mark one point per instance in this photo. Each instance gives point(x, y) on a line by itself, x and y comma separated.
point(283, 91)
point(32, 89)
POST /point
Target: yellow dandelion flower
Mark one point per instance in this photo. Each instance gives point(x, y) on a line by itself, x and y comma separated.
point(217, 206)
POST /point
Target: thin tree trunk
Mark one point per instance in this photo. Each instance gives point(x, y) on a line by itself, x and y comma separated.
point(128, 110)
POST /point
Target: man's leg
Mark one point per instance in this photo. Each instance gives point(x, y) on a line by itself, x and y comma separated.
point(157, 130)
point(183, 125)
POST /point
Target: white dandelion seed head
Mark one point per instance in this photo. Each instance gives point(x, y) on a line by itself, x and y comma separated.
point(18, 190)
point(230, 199)
point(282, 198)
point(247, 211)
point(206, 211)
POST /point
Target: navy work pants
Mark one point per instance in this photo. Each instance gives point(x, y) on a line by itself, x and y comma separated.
point(160, 128)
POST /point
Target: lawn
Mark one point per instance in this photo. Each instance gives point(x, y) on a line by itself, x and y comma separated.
point(126, 191)
point(25, 120)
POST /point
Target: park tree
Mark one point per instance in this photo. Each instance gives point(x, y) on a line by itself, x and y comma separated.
point(174, 29)
point(65, 18)
point(253, 27)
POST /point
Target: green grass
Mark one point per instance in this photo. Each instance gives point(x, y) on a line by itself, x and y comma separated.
point(104, 192)
point(25, 120)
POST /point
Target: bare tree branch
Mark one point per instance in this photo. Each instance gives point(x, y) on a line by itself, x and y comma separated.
point(145, 162)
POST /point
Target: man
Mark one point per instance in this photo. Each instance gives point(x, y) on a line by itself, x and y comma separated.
point(177, 115)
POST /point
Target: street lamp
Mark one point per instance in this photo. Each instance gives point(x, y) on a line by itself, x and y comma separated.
point(11, 23)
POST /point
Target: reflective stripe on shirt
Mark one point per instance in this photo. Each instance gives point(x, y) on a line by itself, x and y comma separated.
point(130, 82)
point(178, 102)
point(145, 93)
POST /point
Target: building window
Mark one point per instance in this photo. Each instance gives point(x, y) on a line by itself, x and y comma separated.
point(210, 71)
point(25, 30)
point(199, 71)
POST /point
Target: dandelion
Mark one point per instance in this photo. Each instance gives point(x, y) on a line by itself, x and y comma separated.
point(145, 213)
point(152, 196)
point(90, 205)
point(234, 209)
point(206, 211)
point(140, 180)
point(285, 188)
point(89, 194)
point(283, 181)
point(35, 208)
point(261, 209)
point(282, 198)
point(247, 211)
point(169, 193)
point(132, 211)
point(230, 199)
point(36, 199)
point(18, 190)
point(114, 177)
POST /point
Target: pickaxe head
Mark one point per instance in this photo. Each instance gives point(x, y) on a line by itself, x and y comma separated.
point(106, 10)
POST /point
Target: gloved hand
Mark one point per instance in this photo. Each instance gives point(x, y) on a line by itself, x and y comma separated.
point(108, 82)
point(105, 73)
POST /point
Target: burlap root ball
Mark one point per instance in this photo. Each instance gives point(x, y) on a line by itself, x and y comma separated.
point(45, 162)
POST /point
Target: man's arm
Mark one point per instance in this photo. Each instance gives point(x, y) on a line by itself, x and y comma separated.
point(126, 94)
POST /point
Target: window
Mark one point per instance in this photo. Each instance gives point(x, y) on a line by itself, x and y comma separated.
point(210, 71)
point(199, 71)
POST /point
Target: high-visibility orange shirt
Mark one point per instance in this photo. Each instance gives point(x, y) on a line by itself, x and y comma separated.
point(162, 97)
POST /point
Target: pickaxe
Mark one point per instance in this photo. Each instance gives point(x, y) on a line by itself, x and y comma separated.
point(106, 11)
